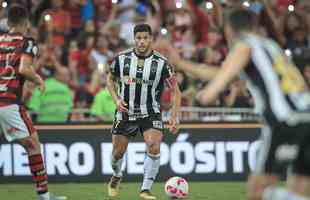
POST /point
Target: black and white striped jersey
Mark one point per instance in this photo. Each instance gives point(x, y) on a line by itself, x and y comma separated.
point(140, 82)
point(278, 88)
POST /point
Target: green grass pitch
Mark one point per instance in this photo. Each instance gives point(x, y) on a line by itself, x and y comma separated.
point(129, 191)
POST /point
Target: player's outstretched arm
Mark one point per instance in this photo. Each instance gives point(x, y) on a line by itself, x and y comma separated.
point(198, 71)
point(26, 69)
point(235, 62)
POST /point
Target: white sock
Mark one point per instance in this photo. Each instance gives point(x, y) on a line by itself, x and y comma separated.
point(45, 196)
point(151, 168)
point(117, 167)
point(276, 193)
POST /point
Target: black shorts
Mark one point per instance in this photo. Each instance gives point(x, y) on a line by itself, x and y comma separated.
point(284, 146)
point(132, 128)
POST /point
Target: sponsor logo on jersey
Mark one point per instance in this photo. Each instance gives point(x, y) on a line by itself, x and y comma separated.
point(158, 124)
point(129, 80)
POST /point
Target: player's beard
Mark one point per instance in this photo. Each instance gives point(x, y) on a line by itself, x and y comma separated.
point(143, 51)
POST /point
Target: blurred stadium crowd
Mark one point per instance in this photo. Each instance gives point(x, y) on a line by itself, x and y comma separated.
point(78, 39)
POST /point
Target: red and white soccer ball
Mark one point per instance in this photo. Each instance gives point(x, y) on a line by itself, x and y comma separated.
point(176, 188)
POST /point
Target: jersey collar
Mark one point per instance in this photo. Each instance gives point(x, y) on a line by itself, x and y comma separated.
point(143, 57)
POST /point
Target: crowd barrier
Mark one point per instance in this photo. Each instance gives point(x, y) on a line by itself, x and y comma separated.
point(82, 153)
point(187, 114)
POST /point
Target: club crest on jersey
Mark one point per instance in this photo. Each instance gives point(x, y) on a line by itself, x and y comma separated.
point(154, 66)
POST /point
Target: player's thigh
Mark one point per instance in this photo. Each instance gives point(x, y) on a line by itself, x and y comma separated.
point(31, 144)
point(15, 123)
point(152, 128)
point(120, 142)
point(121, 132)
point(152, 136)
point(125, 128)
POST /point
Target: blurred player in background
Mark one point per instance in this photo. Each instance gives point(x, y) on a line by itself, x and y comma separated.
point(281, 97)
point(16, 58)
point(136, 80)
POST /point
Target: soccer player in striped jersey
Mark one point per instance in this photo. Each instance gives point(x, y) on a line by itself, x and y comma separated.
point(136, 80)
point(281, 97)
point(16, 58)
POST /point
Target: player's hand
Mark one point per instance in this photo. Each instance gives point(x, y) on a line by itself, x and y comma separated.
point(121, 106)
point(41, 85)
point(174, 125)
point(206, 96)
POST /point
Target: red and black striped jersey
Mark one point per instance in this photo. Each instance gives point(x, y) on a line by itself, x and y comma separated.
point(12, 47)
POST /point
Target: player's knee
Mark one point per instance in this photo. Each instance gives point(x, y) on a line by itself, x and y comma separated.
point(153, 148)
point(31, 145)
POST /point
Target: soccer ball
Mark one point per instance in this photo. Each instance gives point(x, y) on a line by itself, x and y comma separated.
point(176, 188)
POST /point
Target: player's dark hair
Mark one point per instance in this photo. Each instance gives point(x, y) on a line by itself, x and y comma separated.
point(241, 20)
point(17, 15)
point(142, 28)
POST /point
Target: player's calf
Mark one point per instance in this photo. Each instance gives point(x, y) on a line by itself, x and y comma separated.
point(151, 168)
point(36, 164)
point(117, 155)
point(31, 144)
point(152, 139)
point(120, 144)
point(116, 161)
point(116, 164)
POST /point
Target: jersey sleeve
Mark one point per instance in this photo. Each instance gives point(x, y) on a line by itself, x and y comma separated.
point(168, 75)
point(30, 47)
point(114, 68)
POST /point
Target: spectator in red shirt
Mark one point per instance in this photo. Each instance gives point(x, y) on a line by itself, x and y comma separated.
point(203, 20)
point(74, 9)
point(57, 22)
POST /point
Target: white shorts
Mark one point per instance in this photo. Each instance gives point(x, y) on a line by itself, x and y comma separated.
point(15, 123)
